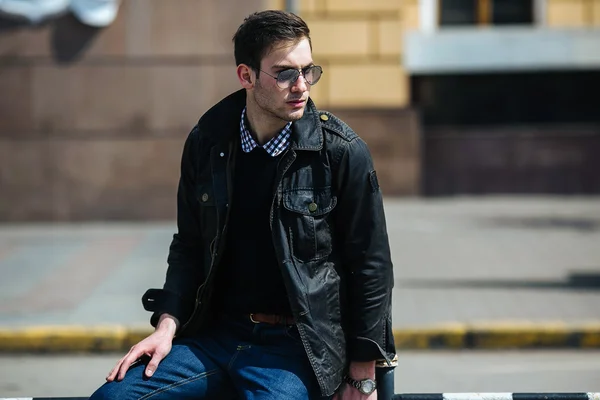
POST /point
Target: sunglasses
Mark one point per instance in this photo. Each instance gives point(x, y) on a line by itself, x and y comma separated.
point(288, 77)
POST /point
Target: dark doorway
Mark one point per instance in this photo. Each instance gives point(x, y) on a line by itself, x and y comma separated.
point(510, 133)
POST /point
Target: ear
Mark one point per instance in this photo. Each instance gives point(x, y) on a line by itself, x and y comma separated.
point(246, 76)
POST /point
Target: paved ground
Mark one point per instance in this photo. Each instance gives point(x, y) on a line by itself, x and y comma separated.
point(417, 372)
point(456, 260)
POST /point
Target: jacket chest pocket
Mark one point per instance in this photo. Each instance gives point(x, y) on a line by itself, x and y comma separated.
point(308, 221)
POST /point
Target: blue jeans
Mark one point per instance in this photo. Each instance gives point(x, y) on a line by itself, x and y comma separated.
point(237, 359)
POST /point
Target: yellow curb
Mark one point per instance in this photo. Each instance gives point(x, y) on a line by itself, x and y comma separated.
point(501, 335)
point(521, 334)
point(484, 335)
point(62, 339)
point(451, 336)
point(590, 335)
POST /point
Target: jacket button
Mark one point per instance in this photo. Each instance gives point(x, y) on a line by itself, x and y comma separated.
point(205, 197)
point(312, 207)
point(324, 117)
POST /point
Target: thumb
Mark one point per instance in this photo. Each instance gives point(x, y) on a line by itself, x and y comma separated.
point(153, 364)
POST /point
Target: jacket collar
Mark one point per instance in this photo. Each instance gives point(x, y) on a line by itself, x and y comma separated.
point(306, 132)
point(222, 122)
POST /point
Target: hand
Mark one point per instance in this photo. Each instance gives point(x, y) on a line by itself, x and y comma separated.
point(156, 346)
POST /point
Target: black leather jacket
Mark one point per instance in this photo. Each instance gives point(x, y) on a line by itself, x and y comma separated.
point(334, 257)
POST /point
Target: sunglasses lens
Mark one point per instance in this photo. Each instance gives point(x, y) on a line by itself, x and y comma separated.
point(313, 74)
point(287, 77)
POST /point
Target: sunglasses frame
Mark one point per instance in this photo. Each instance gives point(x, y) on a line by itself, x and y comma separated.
point(301, 71)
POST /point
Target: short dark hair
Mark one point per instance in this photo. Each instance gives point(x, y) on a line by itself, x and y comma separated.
point(261, 30)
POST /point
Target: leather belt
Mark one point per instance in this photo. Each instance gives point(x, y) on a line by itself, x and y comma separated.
point(272, 319)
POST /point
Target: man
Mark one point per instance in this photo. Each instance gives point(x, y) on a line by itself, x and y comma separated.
point(279, 279)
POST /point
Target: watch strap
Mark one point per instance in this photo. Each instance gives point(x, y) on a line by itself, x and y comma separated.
point(352, 382)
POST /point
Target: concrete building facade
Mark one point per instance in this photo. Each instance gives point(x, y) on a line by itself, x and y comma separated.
point(92, 121)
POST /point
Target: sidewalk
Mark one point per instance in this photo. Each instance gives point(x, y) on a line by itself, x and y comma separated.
point(469, 272)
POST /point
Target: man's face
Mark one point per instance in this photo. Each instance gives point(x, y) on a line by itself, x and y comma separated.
point(285, 104)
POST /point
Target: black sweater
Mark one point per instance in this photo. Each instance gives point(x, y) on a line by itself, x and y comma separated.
point(249, 277)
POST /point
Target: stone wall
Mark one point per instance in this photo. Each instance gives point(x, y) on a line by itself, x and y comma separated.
point(359, 45)
point(92, 122)
point(394, 138)
point(573, 13)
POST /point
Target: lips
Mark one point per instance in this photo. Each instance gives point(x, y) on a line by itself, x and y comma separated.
point(297, 102)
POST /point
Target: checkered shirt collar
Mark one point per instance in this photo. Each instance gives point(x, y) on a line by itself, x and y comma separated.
point(274, 147)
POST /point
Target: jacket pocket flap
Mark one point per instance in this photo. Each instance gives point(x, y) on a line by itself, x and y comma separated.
point(308, 201)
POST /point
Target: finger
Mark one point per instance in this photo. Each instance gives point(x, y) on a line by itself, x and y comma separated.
point(153, 364)
point(133, 355)
point(113, 372)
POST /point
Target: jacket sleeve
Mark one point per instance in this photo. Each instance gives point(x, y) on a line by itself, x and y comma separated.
point(366, 258)
point(184, 273)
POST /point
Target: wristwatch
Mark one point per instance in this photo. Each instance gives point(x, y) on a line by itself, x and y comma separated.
point(365, 386)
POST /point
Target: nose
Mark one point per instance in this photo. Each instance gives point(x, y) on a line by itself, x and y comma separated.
point(300, 85)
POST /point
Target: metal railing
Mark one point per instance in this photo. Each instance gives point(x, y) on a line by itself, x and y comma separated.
point(430, 396)
point(497, 396)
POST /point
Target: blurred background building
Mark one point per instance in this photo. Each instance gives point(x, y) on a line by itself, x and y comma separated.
point(453, 97)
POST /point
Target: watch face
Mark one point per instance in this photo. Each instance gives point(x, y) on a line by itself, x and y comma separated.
point(367, 386)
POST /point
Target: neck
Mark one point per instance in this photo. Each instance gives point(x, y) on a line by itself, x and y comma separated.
point(263, 126)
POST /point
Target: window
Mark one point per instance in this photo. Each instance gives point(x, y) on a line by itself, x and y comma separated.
point(509, 98)
point(512, 12)
point(485, 12)
point(458, 12)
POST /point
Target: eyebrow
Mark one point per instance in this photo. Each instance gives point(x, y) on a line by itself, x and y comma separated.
point(284, 66)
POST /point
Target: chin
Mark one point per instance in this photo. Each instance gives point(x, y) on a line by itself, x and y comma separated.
point(295, 115)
